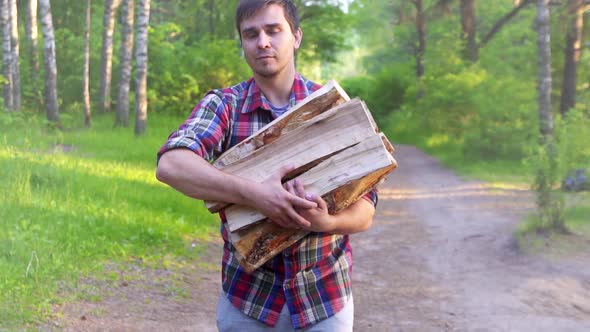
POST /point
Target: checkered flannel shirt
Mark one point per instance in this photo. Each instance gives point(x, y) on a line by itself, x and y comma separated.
point(313, 276)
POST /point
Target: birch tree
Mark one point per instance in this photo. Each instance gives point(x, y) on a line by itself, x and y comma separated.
point(126, 56)
point(31, 31)
point(86, 70)
point(51, 106)
point(550, 203)
point(544, 68)
point(14, 47)
point(6, 54)
point(110, 9)
point(141, 59)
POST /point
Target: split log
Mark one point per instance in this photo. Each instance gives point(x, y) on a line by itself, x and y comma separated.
point(259, 242)
point(320, 101)
point(347, 165)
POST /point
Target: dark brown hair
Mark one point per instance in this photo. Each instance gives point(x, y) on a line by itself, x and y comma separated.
point(249, 8)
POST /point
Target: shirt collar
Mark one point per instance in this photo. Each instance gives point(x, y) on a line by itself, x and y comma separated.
point(255, 99)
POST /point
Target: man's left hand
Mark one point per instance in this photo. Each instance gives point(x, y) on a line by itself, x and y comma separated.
point(318, 217)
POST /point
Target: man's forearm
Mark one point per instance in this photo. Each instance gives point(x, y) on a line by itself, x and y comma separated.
point(193, 176)
point(356, 218)
point(190, 174)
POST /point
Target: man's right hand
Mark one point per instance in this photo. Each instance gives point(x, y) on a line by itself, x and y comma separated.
point(278, 204)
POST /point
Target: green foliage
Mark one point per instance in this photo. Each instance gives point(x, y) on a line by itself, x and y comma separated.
point(75, 201)
point(183, 73)
point(505, 126)
point(323, 26)
point(573, 135)
point(384, 92)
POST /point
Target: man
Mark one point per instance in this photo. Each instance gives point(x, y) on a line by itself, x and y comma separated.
point(307, 286)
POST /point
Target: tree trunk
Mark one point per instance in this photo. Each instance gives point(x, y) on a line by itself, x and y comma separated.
point(544, 63)
point(86, 70)
point(110, 9)
point(32, 32)
point(51, 105)
point(468, 24)
point(421, 30)
point(141, 58)
point(573, 50)
point(125, 65)
point(6, 54)
point(211, 17)
point(16, 94)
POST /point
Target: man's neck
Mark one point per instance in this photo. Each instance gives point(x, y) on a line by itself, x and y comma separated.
point(277, 89)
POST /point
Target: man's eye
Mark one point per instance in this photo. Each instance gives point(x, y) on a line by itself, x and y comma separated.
point(250, 35)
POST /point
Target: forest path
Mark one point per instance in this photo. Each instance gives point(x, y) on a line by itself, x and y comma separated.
point(441, 256)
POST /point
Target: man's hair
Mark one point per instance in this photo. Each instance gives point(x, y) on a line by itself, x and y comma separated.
point(249, 8)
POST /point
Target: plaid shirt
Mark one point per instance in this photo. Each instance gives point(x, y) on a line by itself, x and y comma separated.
point(312, 276)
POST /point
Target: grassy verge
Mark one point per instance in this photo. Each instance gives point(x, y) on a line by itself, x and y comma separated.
point(73, 202)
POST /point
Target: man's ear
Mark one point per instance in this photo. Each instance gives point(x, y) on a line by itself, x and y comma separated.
point(298, 37)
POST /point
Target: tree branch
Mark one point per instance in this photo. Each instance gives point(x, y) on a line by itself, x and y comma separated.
point(500, 23)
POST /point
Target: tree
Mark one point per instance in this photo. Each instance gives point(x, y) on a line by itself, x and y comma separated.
point(110, 9)
point(141, 59)
point(6, 54)
point(51, 105)
point(14, 47)
point(86, 70)
point(421, 30)
point(544, 69)
point(122, 118)
point(468, 24)
point(573, 52)
point(31, 32)
point(550, 203)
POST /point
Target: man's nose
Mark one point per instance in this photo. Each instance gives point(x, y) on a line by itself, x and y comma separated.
point(263, 40)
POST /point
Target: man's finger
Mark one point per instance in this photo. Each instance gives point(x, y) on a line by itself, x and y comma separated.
point(302, 203)
point(299, 188)
point(290, 188)
point(318, 200)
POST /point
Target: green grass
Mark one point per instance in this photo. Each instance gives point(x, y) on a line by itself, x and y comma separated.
point(64, 215)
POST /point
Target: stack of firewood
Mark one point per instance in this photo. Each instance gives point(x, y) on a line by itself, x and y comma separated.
point(338, 153)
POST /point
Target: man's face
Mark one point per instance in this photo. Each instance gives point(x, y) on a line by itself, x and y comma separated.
point(268, 42)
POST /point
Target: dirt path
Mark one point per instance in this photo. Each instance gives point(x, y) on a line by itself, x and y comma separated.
point(440, 257)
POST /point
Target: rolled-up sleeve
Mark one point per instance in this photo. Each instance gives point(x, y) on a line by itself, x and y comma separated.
point(205, 130)
point(372, 197)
